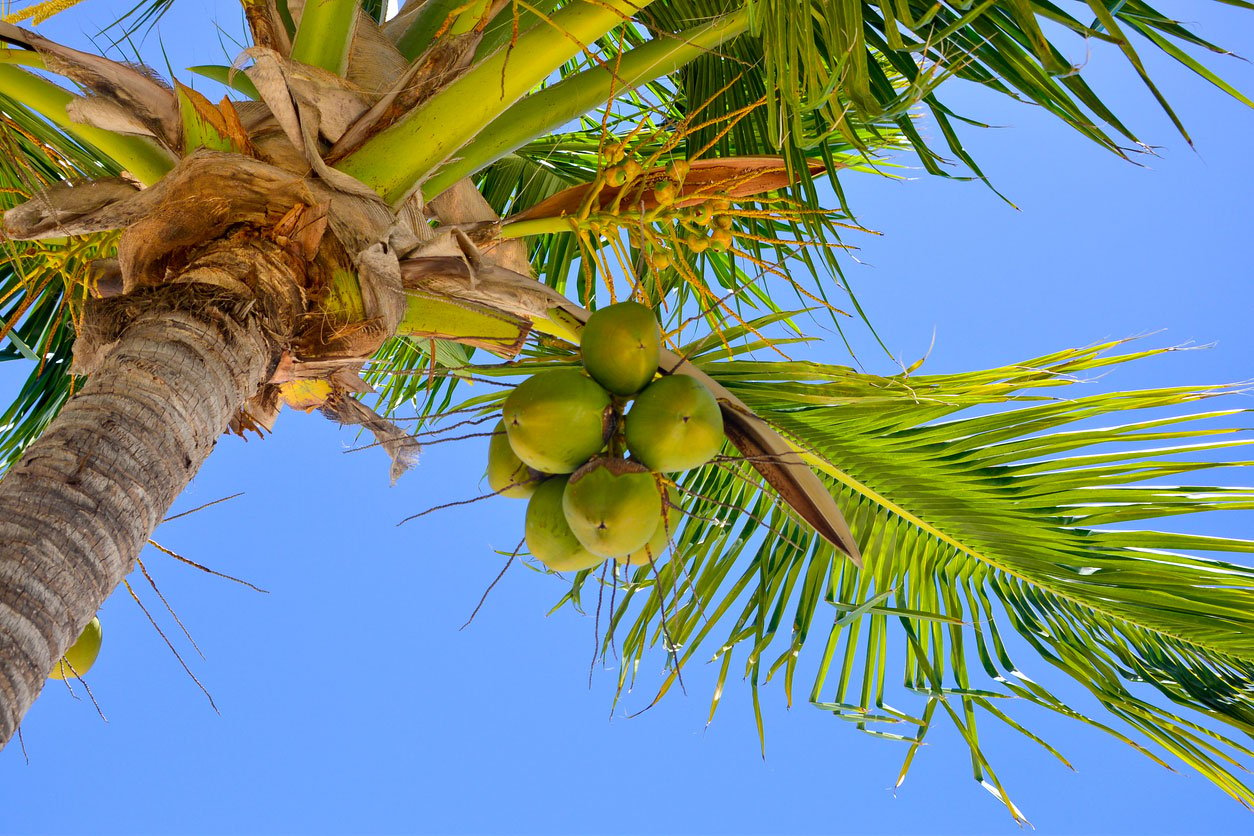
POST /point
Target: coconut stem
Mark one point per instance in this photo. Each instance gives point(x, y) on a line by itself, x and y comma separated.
point(618, 436)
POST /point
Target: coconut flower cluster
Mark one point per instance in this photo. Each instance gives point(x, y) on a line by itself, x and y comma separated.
point(590, 447)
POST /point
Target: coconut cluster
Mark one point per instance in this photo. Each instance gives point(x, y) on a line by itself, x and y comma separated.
point(588, 446)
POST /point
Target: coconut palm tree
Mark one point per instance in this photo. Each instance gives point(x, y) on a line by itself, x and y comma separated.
point(379, 199)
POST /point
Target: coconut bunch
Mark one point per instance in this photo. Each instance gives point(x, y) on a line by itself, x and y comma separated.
point(591, 448)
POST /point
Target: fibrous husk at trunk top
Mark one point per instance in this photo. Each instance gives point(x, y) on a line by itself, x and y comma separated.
point(462, 203)
point(735, 178)
point(67, 209)
point(205, 195)
point(135, 89)
point(211, 191)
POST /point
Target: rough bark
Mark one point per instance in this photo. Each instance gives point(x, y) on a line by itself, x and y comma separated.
point(175, 365)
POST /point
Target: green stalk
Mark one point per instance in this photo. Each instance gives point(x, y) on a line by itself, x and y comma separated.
point(426, 22)
point(144, 159)
point(228, 77)
point(536, 226)
point(501, 30)
point(419, 35)
point(23, 58)
point(396, 160)
point(470, 18)
point(324, 33)
point(545, 110)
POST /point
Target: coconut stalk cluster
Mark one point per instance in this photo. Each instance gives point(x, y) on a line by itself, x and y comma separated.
point(592, 449)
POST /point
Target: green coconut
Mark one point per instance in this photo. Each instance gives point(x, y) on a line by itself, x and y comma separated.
point(507, 474)
point(557, 420)
point(549, 536)
point(81, 655)
point(620, 347)
point(667, 525)
point(674, 425)
point(612, 506)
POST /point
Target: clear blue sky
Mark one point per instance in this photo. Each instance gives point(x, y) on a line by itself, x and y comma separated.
point(351, 702)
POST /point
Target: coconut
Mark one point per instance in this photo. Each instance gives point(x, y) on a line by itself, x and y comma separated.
point(549, 536)
point(667, 525)
point(81, 655)
point(674, 425)
point(557, 420)
point(620, 347)
point(612, 506)
point(507, 474)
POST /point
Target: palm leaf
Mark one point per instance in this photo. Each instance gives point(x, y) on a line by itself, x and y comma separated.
point(40, 281)
point(829, 65)
point(974, 524)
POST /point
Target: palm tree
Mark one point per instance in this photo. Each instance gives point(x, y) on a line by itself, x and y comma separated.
point(382, 198)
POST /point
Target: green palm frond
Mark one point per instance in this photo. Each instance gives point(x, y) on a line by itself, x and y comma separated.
point(826, 65)
point(419, 374)
point(40, 282)
point(984, 531)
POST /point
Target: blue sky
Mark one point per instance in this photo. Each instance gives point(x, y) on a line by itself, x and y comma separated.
point(351, 702)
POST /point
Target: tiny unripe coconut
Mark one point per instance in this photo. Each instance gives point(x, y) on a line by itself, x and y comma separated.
point(667, 525)
point(557, 420)
point(675, 424)
point(548, 534)
point(612, 506)
point(678, 170)
point(507, 474)
point(620, 347)
point(81, 655)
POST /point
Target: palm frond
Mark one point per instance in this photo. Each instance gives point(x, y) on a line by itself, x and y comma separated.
point(40, 282)
point(985, 532)
point(825, 65)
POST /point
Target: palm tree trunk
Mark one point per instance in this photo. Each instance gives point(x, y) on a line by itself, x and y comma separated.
point(76, 510)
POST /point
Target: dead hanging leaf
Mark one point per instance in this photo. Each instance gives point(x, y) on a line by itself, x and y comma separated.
point(402, 447)
point(786, 472)
point(65, 209)
point(135, 89)
point(776, 460)
point(734, 178)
